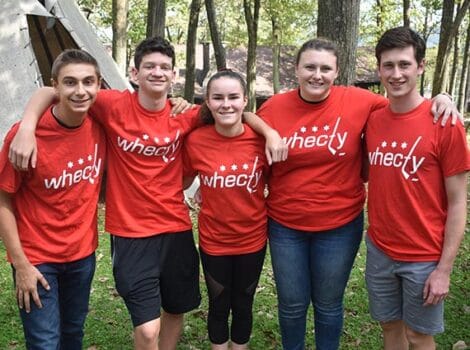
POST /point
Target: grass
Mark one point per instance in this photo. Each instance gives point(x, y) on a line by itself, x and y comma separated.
point(108, 325)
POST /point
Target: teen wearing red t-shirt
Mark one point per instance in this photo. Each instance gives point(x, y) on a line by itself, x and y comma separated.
point(316, 197)
point(229, 159)
point(417, 200)
point(48, 215)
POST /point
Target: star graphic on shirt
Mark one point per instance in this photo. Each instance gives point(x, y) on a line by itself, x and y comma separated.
point(384, 144)
point(234, 167)
point(70, 164)
point(326, 128)
point(222, 168)
point(303, 129)
point(90, 157)
point(394, 144)
point(145, 137)
point(167, 140)
point(245, 166)
point(315, 128)
point(404, 145)
point(80, 161)
point(156, 140)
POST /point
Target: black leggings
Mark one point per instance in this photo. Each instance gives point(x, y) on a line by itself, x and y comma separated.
point(231, 284)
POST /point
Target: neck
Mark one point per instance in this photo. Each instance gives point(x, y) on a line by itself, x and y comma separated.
point(230, 131)
point(314, 99)
point(404, 104)
point(68, 118)
point(152, 103)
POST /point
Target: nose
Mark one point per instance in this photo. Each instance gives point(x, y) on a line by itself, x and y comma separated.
point(80, 90)
point(226, 103)
point(396, 72)
point(316, 73)
point(157, 71)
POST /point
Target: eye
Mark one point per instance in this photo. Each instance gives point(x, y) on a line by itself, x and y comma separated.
point(69, 82)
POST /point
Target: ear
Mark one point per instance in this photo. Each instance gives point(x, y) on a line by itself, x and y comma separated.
point(421, 66)
point(134, 72)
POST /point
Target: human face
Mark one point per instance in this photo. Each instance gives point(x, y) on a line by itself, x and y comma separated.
point(399, 71)
point(155, 74)
point(77, 86)
point(226, 101)
point(316, 73)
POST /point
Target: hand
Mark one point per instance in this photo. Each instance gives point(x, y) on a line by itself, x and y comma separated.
point(179, 105)
point(436, 287)
point(27, 278)
point(276, 149)
point(23, 148)
point(443, 106)
point(198, 196)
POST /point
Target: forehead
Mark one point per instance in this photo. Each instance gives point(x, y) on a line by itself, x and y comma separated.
point(398, 54)
point(225, 85)
point(77, 71)
point(156, 58)
point(317, 56)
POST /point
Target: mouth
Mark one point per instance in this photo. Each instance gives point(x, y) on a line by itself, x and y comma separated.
point(396, 84)
point(315, 84)
point(80, 102)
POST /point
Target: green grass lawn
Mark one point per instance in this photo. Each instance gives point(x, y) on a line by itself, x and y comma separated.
point(108, 325)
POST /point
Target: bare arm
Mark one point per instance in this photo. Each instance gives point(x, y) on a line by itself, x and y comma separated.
point(27, 276)
point(276, 149)
point(437, 284)
point(23, 147)
point(442, 105)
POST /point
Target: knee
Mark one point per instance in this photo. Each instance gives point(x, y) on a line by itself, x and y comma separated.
point(417, 339)
point(392, 326)
point(148, 332)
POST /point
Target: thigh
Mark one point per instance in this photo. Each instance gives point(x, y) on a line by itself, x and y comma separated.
point(179, 280)
point(383, 286)
point(136, 270)
point(422, 319)
point(42, 325)
point(217, 273)
point(291, 263)
point(332, 255)
point(247, 270)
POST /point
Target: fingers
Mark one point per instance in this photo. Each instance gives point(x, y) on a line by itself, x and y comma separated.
point(44, 282)
point(445, 117)
point(434, 113)
point(268, 156)
point(36, 299)
point(34, 158)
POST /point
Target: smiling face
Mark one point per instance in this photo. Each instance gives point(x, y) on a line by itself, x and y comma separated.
point(316, 72)
point(76, 86)
point(399, 71)
point(154, 75)
point(226, 101)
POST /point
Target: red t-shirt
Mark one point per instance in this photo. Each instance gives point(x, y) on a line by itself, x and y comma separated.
point(144, 187)
point(55, 204)
point(232, 174)
point(409, 160)
point(319, 187)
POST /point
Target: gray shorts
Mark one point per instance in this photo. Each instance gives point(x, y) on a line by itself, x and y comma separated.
point(396, 292)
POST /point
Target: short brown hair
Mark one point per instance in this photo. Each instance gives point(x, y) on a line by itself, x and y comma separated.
point(73, 56)
point(401, 37)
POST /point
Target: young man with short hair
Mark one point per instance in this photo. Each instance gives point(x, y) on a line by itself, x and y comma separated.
point(48, 215)
point(417, 200)
point(155, 262)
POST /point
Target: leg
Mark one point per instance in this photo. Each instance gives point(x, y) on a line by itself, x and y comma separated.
point(146, 335)
point(420, 341)
point(136, 269)
point(332, 255)
point(74, 295)
point(218, 276)
point(171, 328)
point(394, 335)
point(179, 283)
point(290, 259)
point(42, 326)
point(246, 272)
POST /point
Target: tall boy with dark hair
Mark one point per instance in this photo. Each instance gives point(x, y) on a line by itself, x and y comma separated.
point(48, 214)
point(417, 200)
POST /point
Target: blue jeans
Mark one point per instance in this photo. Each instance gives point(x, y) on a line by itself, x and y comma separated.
point(59, 324)
point(312, 267)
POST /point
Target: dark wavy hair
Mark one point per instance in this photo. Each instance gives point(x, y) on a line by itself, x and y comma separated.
point(401, 37)
point(151, 45)
point(204, 113)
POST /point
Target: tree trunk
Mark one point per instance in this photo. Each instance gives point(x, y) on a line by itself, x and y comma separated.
point(156, 16)
point(191, 42)
point(338, 21)
point(455, 62)
point(425, 37)
point(276, 53)
point(406, 13)
point(448, 31)
point(119, 10)
point(219, 51)
point(251, 16)
point(461, 98)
